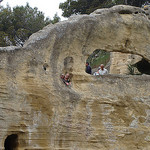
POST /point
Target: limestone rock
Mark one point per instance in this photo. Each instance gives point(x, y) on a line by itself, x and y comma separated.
point(121, 9)
point(119, 62)
point(37, 111)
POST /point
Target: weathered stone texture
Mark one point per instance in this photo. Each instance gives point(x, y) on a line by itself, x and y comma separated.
point(120, 61)
point(97, 113)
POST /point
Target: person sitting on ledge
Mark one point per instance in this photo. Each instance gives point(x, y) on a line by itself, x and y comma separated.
point(66, 79)
point(88, 68)
point(102, 70)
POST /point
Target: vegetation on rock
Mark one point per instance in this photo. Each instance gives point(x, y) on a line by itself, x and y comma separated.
point(98, 57)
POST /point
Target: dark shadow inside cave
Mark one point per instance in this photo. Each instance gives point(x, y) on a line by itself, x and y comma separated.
point(143, 66)
point(11, 142)
point(45, 66)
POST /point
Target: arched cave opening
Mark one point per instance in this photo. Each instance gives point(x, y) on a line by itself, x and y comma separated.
point(118, 63)
point(11, 142)
point(97, 58)
point(143, 66)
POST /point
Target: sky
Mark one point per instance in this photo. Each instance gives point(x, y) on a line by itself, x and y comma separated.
point(48, 7)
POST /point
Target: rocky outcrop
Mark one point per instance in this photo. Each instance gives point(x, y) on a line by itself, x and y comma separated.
point(147, 10)
point(37, 111)
point(121, 9)
point(119, 61)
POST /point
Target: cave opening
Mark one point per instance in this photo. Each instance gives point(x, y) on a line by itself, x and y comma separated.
point(143, 66)
point(118, 63)
point(97, 58)
point(45, 66)
point(11, 142)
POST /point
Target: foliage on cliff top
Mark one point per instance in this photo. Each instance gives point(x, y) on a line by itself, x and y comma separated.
point(70, 7)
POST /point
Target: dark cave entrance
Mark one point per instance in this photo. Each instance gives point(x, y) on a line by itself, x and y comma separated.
point(143, 66)
point(11, 142)
point(45, 66)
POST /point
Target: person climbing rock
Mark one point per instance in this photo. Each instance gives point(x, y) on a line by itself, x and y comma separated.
point(102, 70)
point(88, 68)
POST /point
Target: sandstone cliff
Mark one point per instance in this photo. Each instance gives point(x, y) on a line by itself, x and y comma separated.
point(97, 113)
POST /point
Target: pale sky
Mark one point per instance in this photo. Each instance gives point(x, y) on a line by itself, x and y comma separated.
point(48, 7)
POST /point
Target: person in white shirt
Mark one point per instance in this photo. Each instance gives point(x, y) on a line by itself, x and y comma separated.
point(102, 70)
point(97, 72)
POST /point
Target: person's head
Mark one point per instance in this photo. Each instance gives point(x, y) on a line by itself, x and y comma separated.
point(67, 76)
point(102, 66)
point(62, 76)
point(87, 63)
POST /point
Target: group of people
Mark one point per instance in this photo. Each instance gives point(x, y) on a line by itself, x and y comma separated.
point(66, 79)
point(101, 70)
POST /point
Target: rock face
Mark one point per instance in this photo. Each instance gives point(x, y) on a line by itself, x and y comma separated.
point(120, 62)
point(37, 111)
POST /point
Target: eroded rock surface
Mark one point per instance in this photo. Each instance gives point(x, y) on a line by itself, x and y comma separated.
point(97, 113)
point(121, 61)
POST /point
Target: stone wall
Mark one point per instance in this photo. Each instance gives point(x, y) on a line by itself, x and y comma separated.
point(96, 113)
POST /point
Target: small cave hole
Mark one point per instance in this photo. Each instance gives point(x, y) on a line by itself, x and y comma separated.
point(11, 142)
point(125, 12)
point(136, 12)
point(97, 58)
point(45, 66)
point(127, 43)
